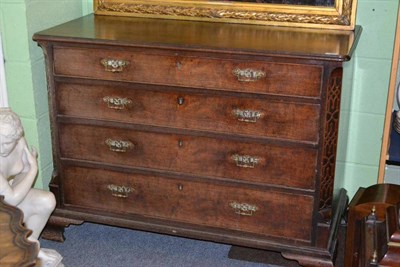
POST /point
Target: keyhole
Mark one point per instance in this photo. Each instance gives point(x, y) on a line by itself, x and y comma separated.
point(180, 143)
point(180, 100)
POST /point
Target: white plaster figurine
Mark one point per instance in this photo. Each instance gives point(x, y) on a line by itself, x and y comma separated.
point(18, 170)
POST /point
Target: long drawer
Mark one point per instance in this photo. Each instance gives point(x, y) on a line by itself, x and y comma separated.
point(222, 74)
point(244, 116)
point(252, 211)
point(288, 166)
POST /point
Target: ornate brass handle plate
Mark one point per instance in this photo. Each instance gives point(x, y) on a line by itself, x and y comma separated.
point(117, 102)
point(114, 65)
point(248, 75)
point(120, 190)
point(247, 115)
point(243, 208)
point(120, 146)
point(245, 161)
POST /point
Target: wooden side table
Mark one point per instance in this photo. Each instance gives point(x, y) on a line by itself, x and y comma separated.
point(373, 231)
point(15, 249)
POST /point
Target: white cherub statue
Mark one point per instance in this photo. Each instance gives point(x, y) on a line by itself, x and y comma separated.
point(18, 170)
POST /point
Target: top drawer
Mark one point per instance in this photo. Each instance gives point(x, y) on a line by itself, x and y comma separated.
point(175, 70)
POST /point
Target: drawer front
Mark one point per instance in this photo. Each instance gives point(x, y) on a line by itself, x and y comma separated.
point(244, 116)
point(234, 75)
point(266, 213)
point(270, 164)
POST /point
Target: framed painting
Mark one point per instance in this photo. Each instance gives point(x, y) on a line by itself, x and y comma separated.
point(329, 14)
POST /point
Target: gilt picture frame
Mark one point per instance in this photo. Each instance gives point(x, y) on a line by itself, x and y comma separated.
point(334, 14)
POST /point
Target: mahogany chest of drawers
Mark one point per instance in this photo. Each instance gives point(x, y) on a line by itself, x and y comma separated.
point(214, 131)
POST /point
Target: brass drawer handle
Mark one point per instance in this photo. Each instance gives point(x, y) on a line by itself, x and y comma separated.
point(120, 190)
point(245, 161)
point(119, 145)
point(118, 103)
point(243, 208)
point(247, 115)
point(248, 75)
point(114, 65)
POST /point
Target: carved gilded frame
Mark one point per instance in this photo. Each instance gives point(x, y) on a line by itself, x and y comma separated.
point(341, 16)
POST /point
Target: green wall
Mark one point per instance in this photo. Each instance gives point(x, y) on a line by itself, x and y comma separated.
point(87, 7)
point(24, 65)
point(364, 99)
point(366, 79)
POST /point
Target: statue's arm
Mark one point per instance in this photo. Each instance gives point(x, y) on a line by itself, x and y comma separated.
point(12, 196)
point(22, 182)
point(5, 188)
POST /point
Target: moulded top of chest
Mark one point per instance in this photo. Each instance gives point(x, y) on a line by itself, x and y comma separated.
point(210, 36)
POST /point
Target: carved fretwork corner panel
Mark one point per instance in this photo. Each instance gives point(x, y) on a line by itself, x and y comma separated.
point(332, 110)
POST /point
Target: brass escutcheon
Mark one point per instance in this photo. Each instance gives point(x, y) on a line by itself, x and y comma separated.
point(180, 100)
